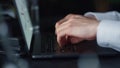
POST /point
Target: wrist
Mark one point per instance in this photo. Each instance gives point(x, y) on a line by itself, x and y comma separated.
point(93, 29)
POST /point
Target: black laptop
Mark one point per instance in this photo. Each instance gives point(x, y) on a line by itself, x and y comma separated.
point(44, 45)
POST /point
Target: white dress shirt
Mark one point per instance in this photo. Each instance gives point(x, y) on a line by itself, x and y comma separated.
point(108, 31)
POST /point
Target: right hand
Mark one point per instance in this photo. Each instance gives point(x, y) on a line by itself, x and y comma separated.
point(76, 28)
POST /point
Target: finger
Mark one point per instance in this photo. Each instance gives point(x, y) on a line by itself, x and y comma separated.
point(63, 26)
point(74, 40)
point(60, 22)
point(62, 41)
point(62, 37)
point(66, 18)
point(69, 16)
point(72, 16)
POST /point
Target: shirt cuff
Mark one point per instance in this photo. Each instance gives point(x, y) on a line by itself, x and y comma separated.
point(103, 15)
point(108, 34)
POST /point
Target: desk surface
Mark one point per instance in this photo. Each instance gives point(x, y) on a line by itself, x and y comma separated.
point(86, 61)
point(83, 62)
point(92, 60)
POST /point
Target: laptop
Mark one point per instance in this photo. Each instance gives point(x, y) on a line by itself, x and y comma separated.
point(44, 45)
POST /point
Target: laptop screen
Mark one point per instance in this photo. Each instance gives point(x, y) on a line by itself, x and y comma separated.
point(25, 20)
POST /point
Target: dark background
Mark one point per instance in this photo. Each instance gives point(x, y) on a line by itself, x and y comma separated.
point(53, 10)
point(50, 11)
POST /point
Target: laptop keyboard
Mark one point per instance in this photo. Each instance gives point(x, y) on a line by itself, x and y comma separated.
point(49, 45)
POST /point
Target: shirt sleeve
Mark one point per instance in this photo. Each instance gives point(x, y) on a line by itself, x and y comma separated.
point(112, 15)
point(108, 31)
point(108, 34)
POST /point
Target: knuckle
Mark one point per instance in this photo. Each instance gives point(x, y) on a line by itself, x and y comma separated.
point(56, 25)
point(70, 24)
point(72, 16)
point(56, 32)
point(69, 16)
point(72, 20)
point(78, 16)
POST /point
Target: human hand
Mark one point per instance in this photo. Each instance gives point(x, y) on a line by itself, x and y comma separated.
point(76, 28)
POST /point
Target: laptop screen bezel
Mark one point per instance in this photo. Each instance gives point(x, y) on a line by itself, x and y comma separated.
point(27, 41)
